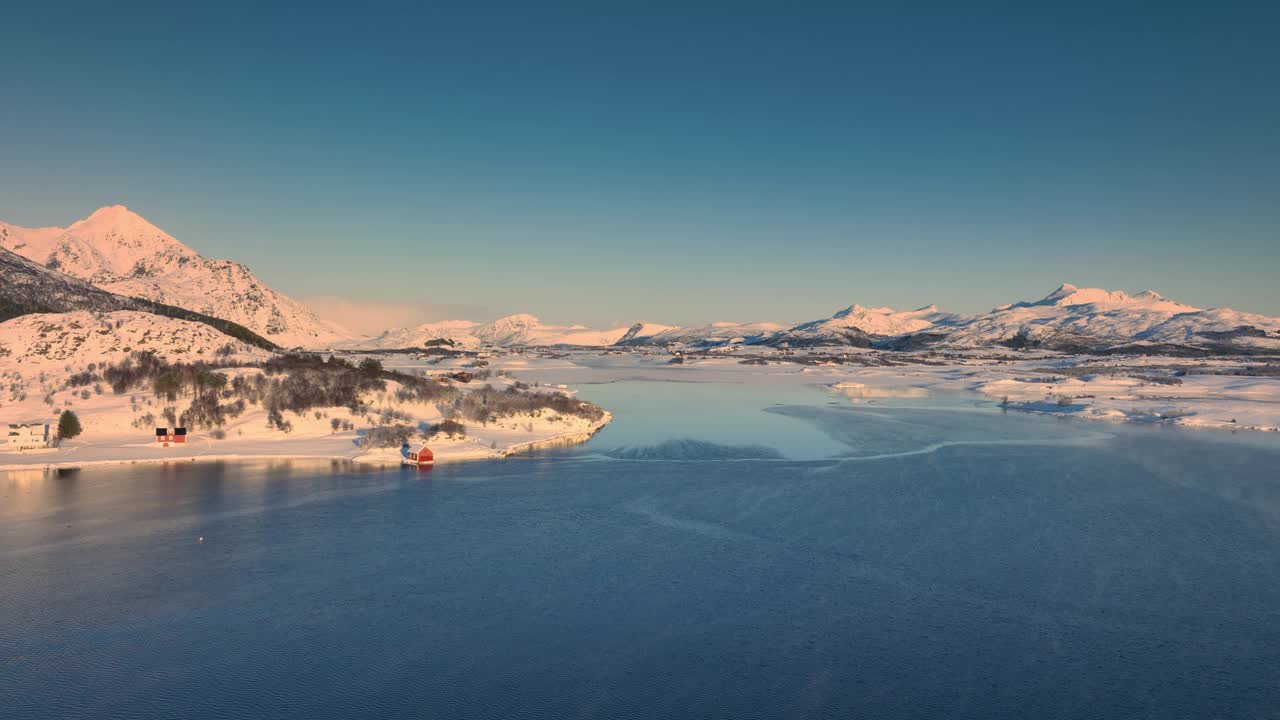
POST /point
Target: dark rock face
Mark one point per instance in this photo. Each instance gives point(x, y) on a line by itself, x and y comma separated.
point(1228, 335)
point(908, 343)
point(630, 337)
point(1058, 342)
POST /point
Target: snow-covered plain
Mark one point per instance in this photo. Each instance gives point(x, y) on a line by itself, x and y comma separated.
point(1168, 391)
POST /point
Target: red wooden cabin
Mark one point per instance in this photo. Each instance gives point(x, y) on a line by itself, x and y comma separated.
point(164, 437)
point(421, 456)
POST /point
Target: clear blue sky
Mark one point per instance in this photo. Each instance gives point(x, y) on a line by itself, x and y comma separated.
point(683, 162)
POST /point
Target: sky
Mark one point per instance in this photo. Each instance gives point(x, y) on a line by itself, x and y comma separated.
point(604, 163)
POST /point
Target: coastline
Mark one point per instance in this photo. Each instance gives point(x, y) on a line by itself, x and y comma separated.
point(447, 453)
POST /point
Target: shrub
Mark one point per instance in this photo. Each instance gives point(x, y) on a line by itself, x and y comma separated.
point(487, 404)
point(452, 428)
point(388, 436)
point(81, 379)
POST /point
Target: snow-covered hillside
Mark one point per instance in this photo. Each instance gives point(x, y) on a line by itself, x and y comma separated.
point(856, 325)
point(119, 251)
point(28, 287)
point(718, 333)
point(50, 342)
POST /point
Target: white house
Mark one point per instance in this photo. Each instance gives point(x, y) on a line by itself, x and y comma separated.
point(29, 436)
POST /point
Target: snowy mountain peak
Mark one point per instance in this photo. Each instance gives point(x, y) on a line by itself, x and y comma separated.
point(519, 319)
point(115, 214)
point(509, 330)
point(851, 310)
point(1067, 295)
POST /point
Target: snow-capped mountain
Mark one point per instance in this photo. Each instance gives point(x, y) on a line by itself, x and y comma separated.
point(1068, 319)
point(858, 325)
point(117, 250)
point(1093, 318)
point(452, 333)
point(719, 333)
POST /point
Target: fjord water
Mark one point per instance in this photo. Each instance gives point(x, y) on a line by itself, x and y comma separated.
point(723, 551)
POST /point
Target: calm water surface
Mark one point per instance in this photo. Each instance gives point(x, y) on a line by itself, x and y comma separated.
point(722, 551)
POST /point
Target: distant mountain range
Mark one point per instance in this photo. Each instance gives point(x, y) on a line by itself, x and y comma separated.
point(115, 260)
point(1069, 319)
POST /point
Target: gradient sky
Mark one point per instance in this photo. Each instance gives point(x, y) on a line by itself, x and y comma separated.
point(683, 162)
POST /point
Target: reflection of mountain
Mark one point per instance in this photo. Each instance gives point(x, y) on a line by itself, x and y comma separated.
point(858, 391)
point(688, 449)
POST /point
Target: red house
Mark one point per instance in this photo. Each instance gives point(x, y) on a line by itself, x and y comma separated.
point(421, 456)
point(164, 437)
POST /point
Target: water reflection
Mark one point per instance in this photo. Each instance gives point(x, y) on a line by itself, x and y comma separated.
point(858, 391)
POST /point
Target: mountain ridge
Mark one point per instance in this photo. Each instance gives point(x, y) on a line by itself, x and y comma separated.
point(1071, 318)
point(119, 251)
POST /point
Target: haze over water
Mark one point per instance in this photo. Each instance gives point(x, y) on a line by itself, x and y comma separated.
point(770, 554)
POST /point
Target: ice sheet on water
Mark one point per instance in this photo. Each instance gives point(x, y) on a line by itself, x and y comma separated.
point(891, 431)
point(689, 449)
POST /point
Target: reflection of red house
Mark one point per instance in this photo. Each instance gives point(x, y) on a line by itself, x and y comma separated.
point(421, 456)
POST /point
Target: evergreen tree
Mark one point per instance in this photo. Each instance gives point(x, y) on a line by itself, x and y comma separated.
point(68, 425)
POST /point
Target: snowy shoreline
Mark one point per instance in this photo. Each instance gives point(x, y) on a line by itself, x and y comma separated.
point(226, 452)
point(1217, 394)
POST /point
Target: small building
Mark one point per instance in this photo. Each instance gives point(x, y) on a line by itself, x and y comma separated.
point(421, 456)
point(164, 436)
point(29, 436)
